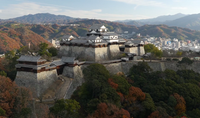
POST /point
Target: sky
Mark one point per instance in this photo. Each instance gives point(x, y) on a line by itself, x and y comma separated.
point(99, 9)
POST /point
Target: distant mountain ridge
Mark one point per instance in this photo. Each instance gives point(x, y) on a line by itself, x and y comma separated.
point(43, 18)
point(189, 21)
point(161, 19)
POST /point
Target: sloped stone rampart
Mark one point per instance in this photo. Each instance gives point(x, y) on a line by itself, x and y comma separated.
point(36, 82)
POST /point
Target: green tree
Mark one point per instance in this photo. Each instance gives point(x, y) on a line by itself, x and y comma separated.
point(53, 51)
point(148, 104)
point(2, 112)
point(3, 73)
point(186, 60)
point(179, 53)
point(44, 50)
point(150, 48)
point(65, 108)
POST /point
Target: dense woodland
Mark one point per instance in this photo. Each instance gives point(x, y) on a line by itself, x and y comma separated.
point(142, 94)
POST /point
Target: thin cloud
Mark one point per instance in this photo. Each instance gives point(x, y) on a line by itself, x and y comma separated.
point(16, 10)
point(0, 11)
point(142, 2)
point(179, 8)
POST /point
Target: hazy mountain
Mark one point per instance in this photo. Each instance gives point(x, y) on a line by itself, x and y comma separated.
point(161, 19)
point(43, 18)
point(131, 22)
point(189, 21)
point(157, 20)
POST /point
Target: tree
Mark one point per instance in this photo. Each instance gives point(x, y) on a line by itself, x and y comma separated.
point(109, 111)
point(154, 114)
point(43, 51)
point(8, 93)
point(150, 48)
point(134, 94)
point(180, 106)
point(186, 60)
point(22, 103)
point(53, 51)
point(179, 53)
point(65, 108)
point(2, 112)
point(3, 73)
point(148, 104)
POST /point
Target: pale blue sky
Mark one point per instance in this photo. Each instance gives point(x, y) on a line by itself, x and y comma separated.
point(99, 9)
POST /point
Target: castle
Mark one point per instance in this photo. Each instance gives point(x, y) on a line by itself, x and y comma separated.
point(59, 78)
point(99, 45)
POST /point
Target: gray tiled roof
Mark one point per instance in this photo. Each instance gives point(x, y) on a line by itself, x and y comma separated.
point(137, 41)
point(58, 62)
point(31, 58)
point(96, 26)
point(110, 34)
point(79, 41)
point(68, 59)
point(92, 37)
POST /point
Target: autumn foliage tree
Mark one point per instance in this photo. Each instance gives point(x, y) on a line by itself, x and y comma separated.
point(154, 114)
point(109, 111)
point(180, 106)
point(8, 93)
point(135, 93)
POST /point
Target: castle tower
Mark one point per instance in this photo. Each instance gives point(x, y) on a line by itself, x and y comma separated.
point(35, 73)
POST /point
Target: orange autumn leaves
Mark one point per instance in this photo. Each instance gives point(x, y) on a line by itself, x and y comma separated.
point(109, 111)
point(8, 93)
point(180, 106)
point(134, 93)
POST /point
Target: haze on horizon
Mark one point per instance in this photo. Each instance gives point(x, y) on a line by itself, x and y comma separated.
point(99, 9)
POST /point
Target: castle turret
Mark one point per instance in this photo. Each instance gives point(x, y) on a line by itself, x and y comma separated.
point(35, 73)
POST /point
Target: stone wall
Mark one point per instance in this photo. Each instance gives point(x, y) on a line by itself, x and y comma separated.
point(131, 50)
point(141, 50)
point(89, 53)
point(76, 73)
point(36, 82)
point(113, 51)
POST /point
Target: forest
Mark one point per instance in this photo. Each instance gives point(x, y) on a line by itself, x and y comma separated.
point(142, 93)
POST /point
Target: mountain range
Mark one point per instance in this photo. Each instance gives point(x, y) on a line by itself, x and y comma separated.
point(178, 20)
point(13, 34)
point(43, 18)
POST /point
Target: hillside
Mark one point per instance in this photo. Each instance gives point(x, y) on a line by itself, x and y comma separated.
point(14, 35)
point(43, 18)
point(190, 21)
point(169, 32)
point(15, 38)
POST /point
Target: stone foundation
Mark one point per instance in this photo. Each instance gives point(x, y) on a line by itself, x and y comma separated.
point(36, 82)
